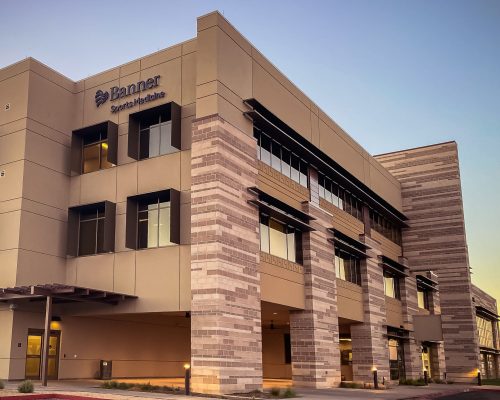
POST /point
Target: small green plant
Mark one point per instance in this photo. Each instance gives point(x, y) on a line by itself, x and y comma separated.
point(412, 382)
point(351, 385)
point(289, 393)
point(275, 392)
point(26, 387)
point(2, 385)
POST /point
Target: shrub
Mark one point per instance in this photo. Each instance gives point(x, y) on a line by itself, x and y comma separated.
point(26, 387)
point(289, 393)
point(124, 385)
point(275, 392)
point(438, 380)
point(351, 385)
point(412, 382)
point(2, 385)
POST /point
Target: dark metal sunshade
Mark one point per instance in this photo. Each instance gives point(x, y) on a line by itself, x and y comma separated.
point(393, 266)
point(426, 283)
point(62, 294)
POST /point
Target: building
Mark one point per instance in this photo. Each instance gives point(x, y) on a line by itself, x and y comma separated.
point(195, 206)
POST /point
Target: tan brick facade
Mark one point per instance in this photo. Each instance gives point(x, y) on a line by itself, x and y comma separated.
point(435, 239)
point(226, 339)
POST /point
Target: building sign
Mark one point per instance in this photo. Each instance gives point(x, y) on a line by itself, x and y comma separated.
point(117, 93)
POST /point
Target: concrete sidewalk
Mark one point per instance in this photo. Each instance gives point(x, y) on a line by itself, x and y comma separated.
point(91, 388)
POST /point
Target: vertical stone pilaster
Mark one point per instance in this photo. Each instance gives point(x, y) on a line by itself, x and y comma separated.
point(226, 337)
point(369, 339)
point(412, 351)
point(438, 362)
point(314, 331)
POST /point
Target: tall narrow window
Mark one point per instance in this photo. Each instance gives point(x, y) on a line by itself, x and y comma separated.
point(423, 298)
point(95, 152)
point(347, 266)
point(391, 285)
point(154, 222)
point(155, 139)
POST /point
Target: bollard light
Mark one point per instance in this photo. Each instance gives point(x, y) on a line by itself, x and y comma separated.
point(479, 380)
point(426, 377)
point(187, 379)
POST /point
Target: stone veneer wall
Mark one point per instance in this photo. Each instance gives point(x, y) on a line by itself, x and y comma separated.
point(226, 334)
point(314, 332)
point(370, 347)
point(435, 240)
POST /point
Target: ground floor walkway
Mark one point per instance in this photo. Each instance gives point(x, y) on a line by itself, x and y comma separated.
point(91, 388)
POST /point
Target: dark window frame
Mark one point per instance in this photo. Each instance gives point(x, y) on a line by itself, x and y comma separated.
point(288, 229)
point(132, 217)
point(74, 228)
point(79, 137)
point(352, 270)
point(165, 112)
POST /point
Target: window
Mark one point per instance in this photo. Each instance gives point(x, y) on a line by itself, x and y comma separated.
point(94, 148)
point(155, 131)
point(280, 240)
point(91, 229)
point(385, 227)
point(485, 332)
point(391, 285)
point(396, 359)
point(422, 298)
point(154, 222)
point(347, 266)
point(339, 197)
point(156, 139)
point(272, 153)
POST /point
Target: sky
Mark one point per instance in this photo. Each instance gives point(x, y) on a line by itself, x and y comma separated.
point(394, 74)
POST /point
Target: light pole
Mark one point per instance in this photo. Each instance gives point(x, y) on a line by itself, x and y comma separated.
point(187, 379)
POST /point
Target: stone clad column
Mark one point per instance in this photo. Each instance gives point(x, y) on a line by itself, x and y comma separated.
point(226, 337)
point(369, 339)
point(409, 304)
point(314, 331)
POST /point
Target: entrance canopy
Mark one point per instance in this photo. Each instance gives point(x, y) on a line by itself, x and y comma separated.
point(62, 294)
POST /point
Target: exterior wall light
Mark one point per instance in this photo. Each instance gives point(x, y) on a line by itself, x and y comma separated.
point(375, 377)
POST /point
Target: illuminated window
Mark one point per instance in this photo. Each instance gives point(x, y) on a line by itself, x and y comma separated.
point(347, 266)
point(391, 285)
point(422, 298)
point(485, 332)
point(154, 222)
point(280, 240)
point(95, 152)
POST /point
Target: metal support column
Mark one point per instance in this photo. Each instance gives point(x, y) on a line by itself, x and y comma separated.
point(46, 340)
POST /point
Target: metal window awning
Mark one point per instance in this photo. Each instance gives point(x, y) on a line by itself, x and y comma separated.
point(488, 350)
point(281, 211)
point(53, 293)
point(348, 244)
point(393, 266)
point(426, 283)
point(484, 312)
point(264, 119)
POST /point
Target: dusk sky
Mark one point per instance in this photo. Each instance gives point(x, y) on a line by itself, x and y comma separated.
point(393, 74)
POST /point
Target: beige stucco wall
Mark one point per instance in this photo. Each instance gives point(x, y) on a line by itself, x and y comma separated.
point(231, 70)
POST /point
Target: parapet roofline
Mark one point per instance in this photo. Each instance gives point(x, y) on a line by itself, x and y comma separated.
point(415, 148)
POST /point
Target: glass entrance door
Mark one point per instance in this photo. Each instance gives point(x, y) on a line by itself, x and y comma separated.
point(34, 354)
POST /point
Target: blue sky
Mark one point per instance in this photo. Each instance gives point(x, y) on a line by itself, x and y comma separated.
point(393, 74)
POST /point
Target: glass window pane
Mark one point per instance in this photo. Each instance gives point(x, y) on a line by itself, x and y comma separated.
point(341, 198)
point(154, 140)
point(166, 138)
point(33, 367)
point(264, 234)
point(321, 185)
point(91, 158)
point(295, 168)
point(420, 299)
point(87, 239)
point(265, 150)
point(164, 234)
point(34, 345)
point(277, 239)
point(285, 162)
point(53, 345)
point(276, 156)
point(104, 156)
point(335, 194)
point(303, 173)
point(389, 286)
point(328, 190)
point(291, 244)
point(256, 135)
point(153, 226)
